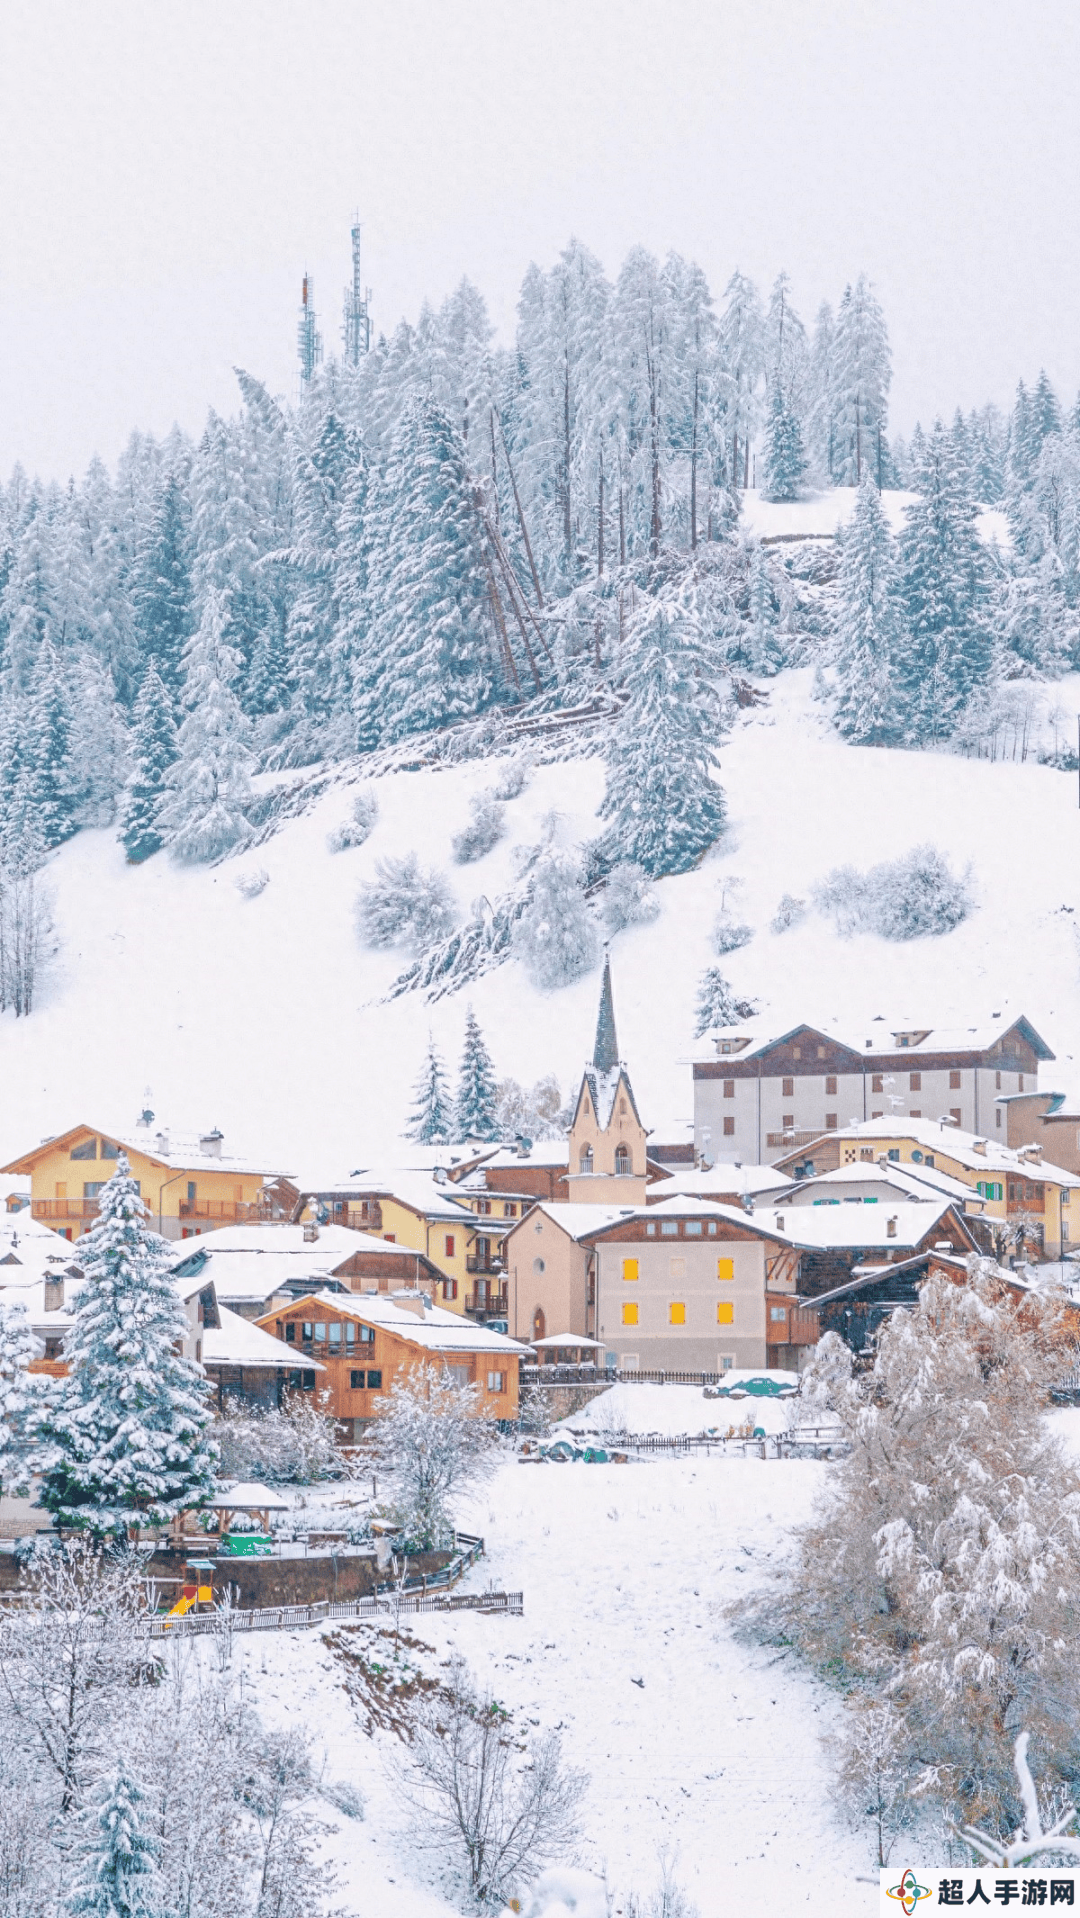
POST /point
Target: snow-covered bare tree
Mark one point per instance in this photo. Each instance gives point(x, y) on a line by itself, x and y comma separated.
point(432, 1443)
point(17, 1397)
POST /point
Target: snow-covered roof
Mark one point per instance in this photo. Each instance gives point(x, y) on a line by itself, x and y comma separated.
point(416, 1189)
point(567, 1338)
point(544, 1152)
point(178, 1151)
point(888, 1036)
point(237, 1341)
point(576, 1219)
point(249, 1496)
point(845, 1228)
point(252, 1262)
point(971, 1149)
point(437, 1331)
point(26, 1244)
point(743, 1179)
point(918, 1182)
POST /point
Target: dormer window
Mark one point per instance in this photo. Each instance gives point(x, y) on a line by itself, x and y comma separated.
point(585, 1161)
point(622, 1162)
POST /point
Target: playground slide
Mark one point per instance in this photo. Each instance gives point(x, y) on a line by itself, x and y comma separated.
point(182, 1605)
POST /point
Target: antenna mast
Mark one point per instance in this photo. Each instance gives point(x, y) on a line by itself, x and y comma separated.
point(308, 337)
point(356, 329)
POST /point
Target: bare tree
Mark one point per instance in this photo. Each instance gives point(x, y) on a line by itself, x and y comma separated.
point(431, 1442)
point(504, 1805)
point(26, 924)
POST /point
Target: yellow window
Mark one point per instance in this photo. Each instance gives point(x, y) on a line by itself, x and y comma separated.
point(677, 1313)
point(725, 1268)
point(629, 1268)
point(629, 1314)
point(725, 1312)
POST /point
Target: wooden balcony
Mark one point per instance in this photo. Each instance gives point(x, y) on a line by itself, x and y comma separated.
point(490, 1264)
point(63, 1209)
point(486, 1304)
point(799, 1328)
point(222, 1211)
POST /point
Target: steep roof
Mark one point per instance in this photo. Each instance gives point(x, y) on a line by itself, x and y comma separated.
point(881, 1037)
point(437, 1331)
point(605, 1056)
point(176, 1151)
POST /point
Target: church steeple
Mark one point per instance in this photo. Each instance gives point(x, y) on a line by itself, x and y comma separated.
point(606, 1049)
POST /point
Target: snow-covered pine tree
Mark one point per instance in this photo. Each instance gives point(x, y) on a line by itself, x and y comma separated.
point(718, 1004)
point(821, 397)
point(204, 811)
point(662, 802)
point(742, 359)
point(17, 1347)
point(48, 749)
point(862, 373)
point(431, 1121)
point(117, 1875)
point(556, 935)
point(162, 595)
point(868, 627)
point(477, 1088)
point(124, 1439)
point(764, 645)
point(785, 460)
point(945, 589)
point(427, 659)
point(153, 752)
point(99, 759)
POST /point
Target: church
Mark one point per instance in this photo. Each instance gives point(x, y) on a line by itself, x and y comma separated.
point(607, 1138)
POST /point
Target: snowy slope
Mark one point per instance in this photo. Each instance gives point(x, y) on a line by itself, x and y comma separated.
point(262, 1015)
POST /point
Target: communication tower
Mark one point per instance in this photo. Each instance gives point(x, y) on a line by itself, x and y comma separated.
point(356, 330)
point(308, 337)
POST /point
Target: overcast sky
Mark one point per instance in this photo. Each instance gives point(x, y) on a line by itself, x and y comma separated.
point(167, 171)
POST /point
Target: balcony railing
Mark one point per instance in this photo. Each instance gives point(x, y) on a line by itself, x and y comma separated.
point(234, 1211)
point(777, 1141)
point(490, 1264)
point(492, 1305)
point(799, 1328)
point(64, 1208)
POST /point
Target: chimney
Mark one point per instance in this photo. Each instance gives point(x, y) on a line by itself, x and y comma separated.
point(210, 1143)
point(979, 1146)
point(311, 1231)
point(890, 1227)
point(409, 1302)
point(54, 1291)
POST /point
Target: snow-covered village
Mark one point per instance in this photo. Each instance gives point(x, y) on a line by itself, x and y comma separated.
point(539, 961)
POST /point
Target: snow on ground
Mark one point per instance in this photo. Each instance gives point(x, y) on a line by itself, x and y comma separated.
point(822, 514)
point(719, 1753)
point(678, 1411)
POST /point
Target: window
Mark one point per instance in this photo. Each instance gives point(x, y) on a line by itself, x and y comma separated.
point(830, 1122)
point(87, 1150)
point(894, 1152)
point(915, 1081)
point(997, 1120)
point(890, 1228)
point(915, 1113)
point(677, 1268)
point(335, 1334)
point(192, 1192)
point(320, 1332)
point(449, 1287)
point(1012, 1192)
point(729, 1127)
point(669, 1228)
point(778, 1314)
point(374, 1381)
point(307, 1331)
point(111, 1151)
point(725, 1312)
point(451, 1245)
point(629, 1312)
point(787, 1089)
point(954, 1082)
point(796, 1052)
point(729, 1088)
point(676, 1312)
point(496, 1381)
point(866, 1152)
point(877, 1082)
point(356, 1381)
point(509, 1211)
point(366, 1335)
point(350, 1332)
point(540, 1265)
point(538, 1323)
point(821, 1052)
point(290, 1332)
point(484, 1206)
point(725, 1270)
point(955, 1113)
point(929, 1159)
point(91, 1188)
point(874, 1115)
point(692, 1228)
point(712, 1228)
point(585, 1160)
point(1020, 1082)
point(629, 1268)
point(787, 1121)
point(726, 1361)
point(390, 1237)
point(622, 1162)
point(651, 1229)
point(830, 1086)
point(997, 1082)
point(1064, 1231)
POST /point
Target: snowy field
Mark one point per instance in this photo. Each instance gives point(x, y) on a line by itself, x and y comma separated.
point(262, 1015)
point(692, 1741)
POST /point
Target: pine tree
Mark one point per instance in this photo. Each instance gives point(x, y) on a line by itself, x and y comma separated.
point(99, 762)
point(945, 591)
point(477, 1090)
point(868, 627)
point(153, 752)
point(765, 648)
point(862, 373)
point(661, 799)
point(742, 358)
point(556, 934)
point(785, 460)
point(162, 594)
point(125, 1436)
point(17, 1347)
point(718, 1004)
point(431, 1121)
point(118, 1876)
point(48, 750)
point(427, 659)
point(203, 814)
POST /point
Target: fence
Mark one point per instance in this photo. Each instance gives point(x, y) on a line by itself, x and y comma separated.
point(287, 1618)
point(611, 1375)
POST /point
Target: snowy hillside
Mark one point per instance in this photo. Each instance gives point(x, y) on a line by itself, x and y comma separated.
point(263, 1015)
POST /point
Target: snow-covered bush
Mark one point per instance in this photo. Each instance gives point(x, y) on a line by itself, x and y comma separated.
point(564, 1890)
point(536, 1112)
point(484, 830)
point(728, 933)
point(17, 1347)
point(250, 884)
point(941, 1573)
point(629, 898)
point(431, 1443)
point(790, 912)
point(914, 897)
point(556, 935)
point(360, 824)
point(718, 1004)
point(511, 782)
point(404, 905)
point(293, 1445)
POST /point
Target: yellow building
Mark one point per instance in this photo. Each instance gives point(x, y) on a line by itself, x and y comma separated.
point(413, 1209)
point(607, 1138)
point(190, 1184)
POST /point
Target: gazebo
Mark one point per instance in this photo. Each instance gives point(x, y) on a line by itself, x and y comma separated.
point(567, 1348)
point(254, 1501)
